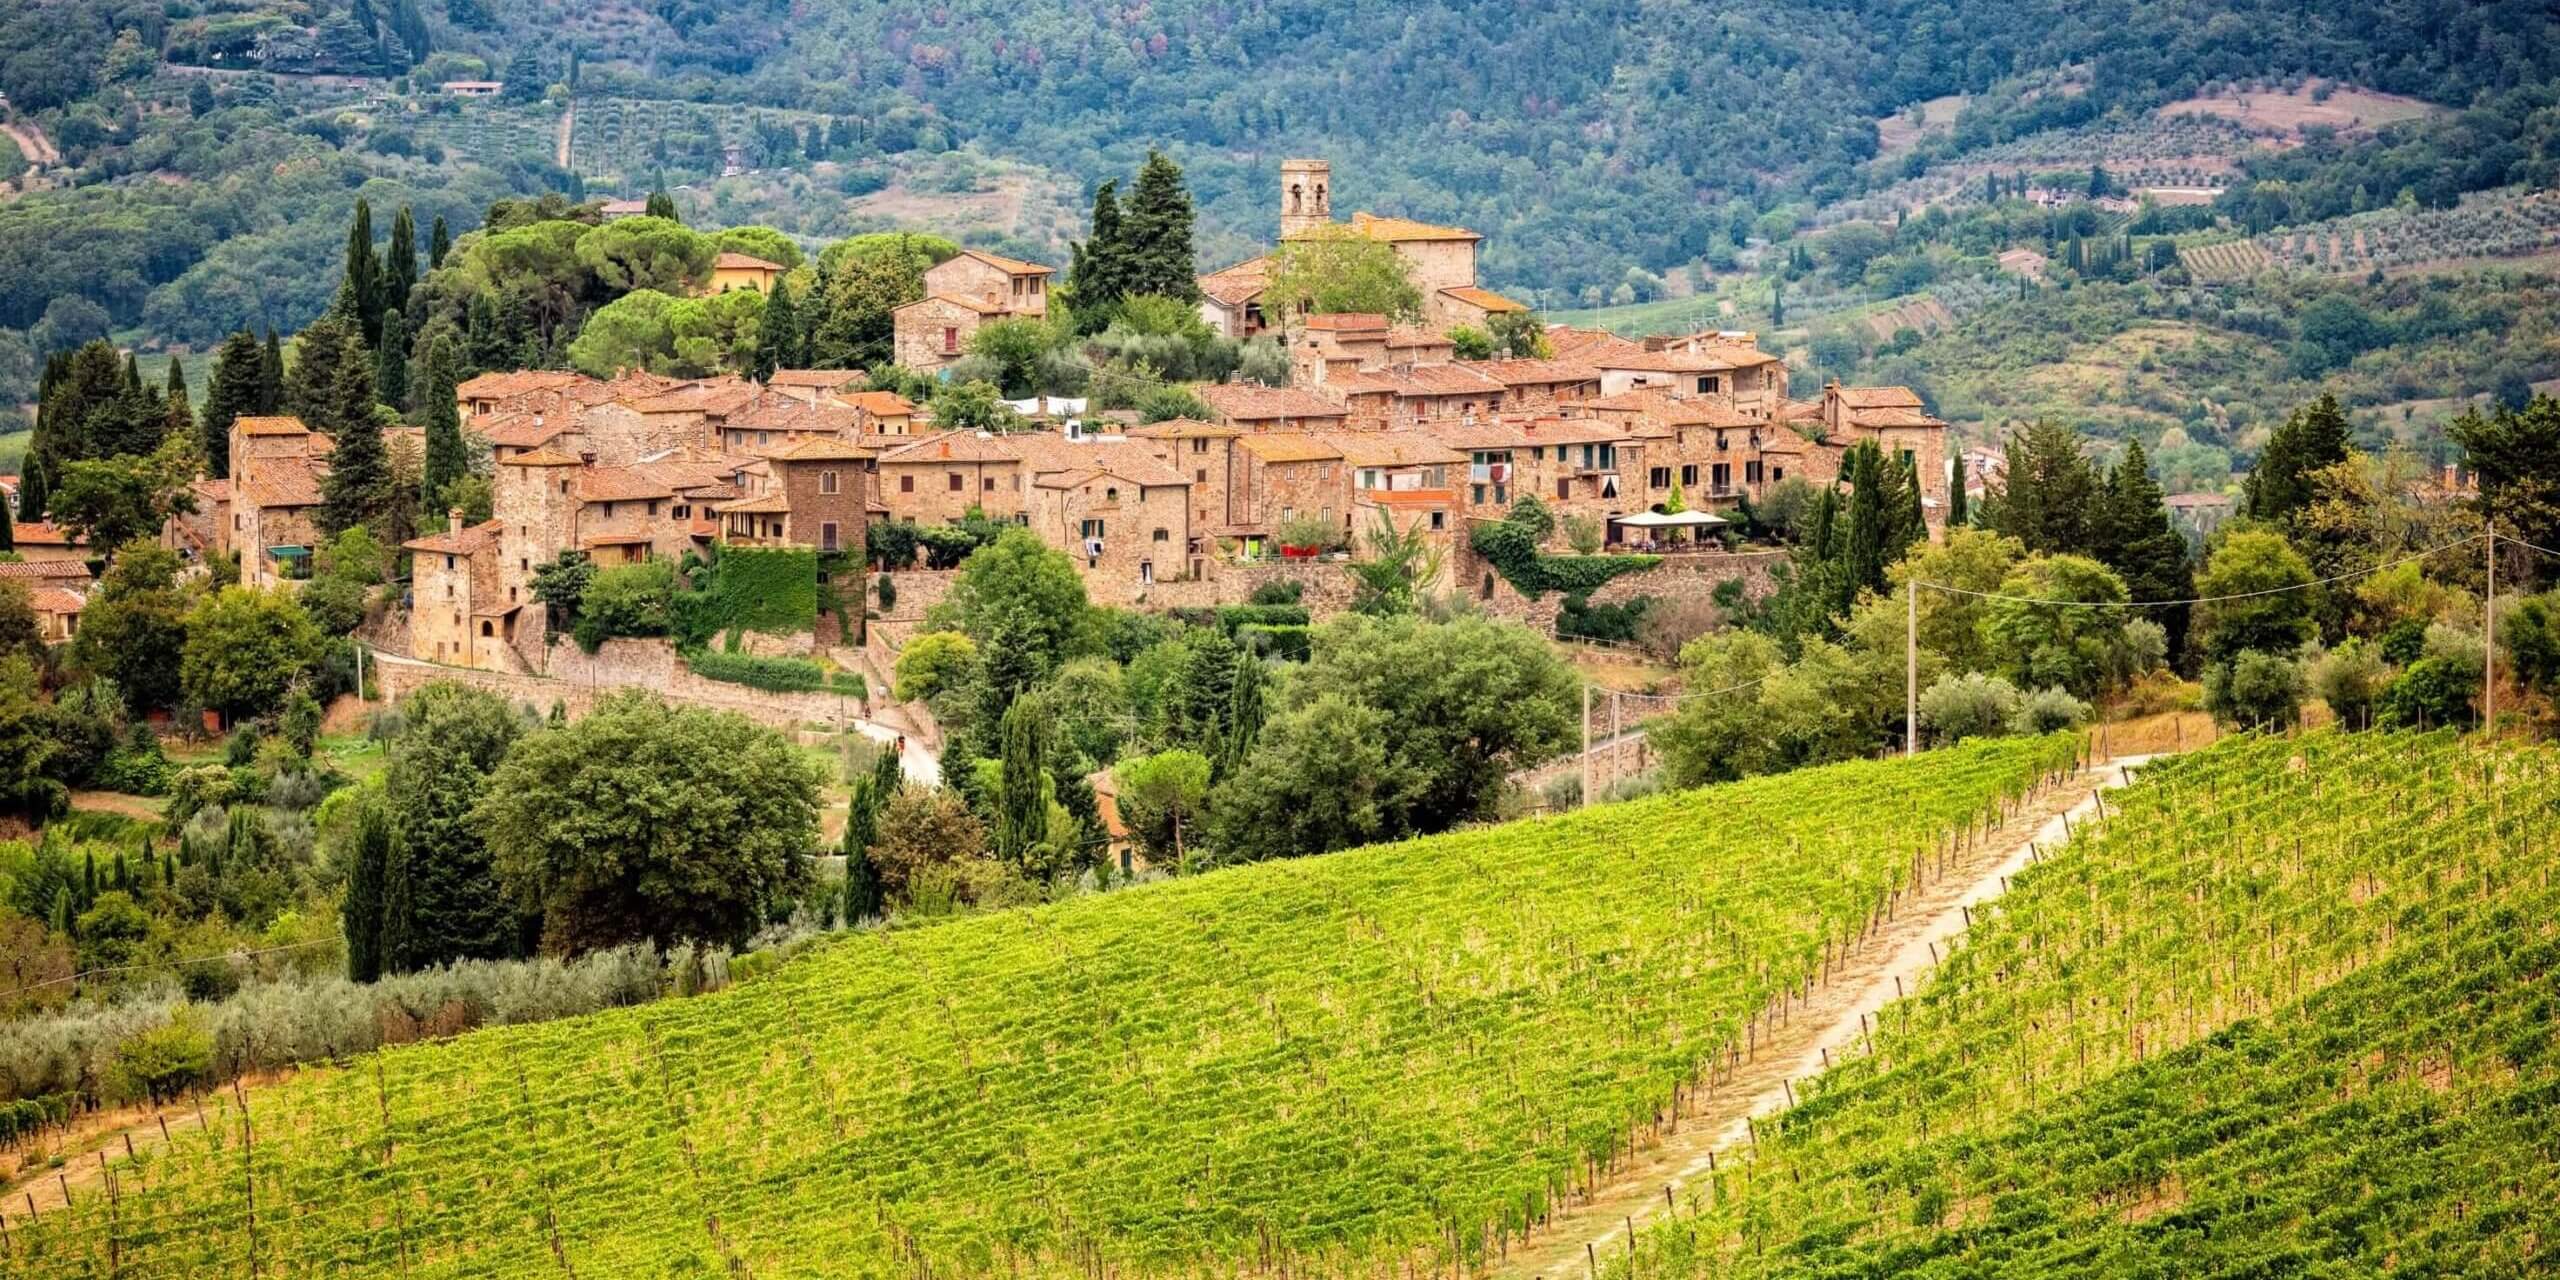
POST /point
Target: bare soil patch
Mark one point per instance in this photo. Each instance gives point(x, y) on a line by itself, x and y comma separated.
point(2288, 112)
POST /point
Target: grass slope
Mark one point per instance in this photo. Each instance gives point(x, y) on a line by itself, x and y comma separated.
point(1347, 1062)
point(2290, 1011)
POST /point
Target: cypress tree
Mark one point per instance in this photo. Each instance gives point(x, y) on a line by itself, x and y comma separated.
point(396, 942)
point(1912, 526)
point(1871, 516)
point(2143, 546)
point(2311, 437)
point(400, 263)
point(361, 291)
point(778, 337)
point(662, 205)
point(271, 375)
point(1957, 514)
point(1096, 270)
point(439, 244)
point(1245, 714)
point(391, 362)
point(238, 372)
point(1157, 232)
point(360, 916)
point(446, 459)
point(1022, 801)
point(8, 530)
point(861, 878)
point(357, 486)
point(2053, 493)
point(180, 416)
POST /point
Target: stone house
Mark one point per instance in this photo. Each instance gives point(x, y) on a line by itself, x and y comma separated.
point(1902, 426)
point(40, 541)
point(777, 421)
point(933, 332)
point(276, 465)
point(1127, 521)
point(1206, 453)
point(881, 413)
point(939, 478)
point(1728, 369)
point(734, 271)
point(1404, 475)
point(1440, 260)
point(1577, 466)
point(1284, 475)
point(1406, 395)
point(1231, 299)
point(484, 394)
point(1468, 304)
point(458, 612)
point(812, 494)
point(57, 611)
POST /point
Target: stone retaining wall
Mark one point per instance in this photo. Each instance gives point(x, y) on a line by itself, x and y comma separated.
point(575, 679)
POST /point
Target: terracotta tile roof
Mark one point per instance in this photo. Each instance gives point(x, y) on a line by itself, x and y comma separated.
point(823, 449)
point(615, 539)
point(1395, 229)
point(1406, 337)
point(1010, 266)
point(1880, 398)
point(1892, 416)
point(471, 540)
point(1254, 402)
point(1485, 299)
point(57, 600)
point(1139, 470)
point(879, 404)
point(823, 379)
point(277, 482)
point(743, 262)
point(1345, 321)
point(979, 305)
point(46, 570)
point(1184, 429)
point(1046, 452)
point(275, 426)
point(1524, 373)
point(1239, 284)
point(516, 382)
point(777, 412)
point(765, 505)
point(211, 490)
point(1288, 446)
point(956, 446)
point(717, 399)
point(526, 430)
point(1391, 449)
point(1587, 345)
point(1714, 358)
point(1665, 409)
point(539, 458)
point(618, 484)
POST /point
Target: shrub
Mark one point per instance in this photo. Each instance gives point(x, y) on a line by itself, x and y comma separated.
point(2048, 711)
point(1279, 591)
point(888, 593)
point(932, 663)
point(160, 1064)
point(2432, 693)
point(1286, 641)
point(2254, 690)
point(773, 675)
point(1956, 707)
point(627, 600)
point(2350, 679)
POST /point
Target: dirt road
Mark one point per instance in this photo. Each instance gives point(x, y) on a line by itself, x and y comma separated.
point(1827, 1022)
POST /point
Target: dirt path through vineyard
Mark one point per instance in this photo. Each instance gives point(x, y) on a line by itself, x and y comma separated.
point(1828, 1021)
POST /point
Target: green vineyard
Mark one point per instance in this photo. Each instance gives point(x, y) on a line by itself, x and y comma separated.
point(1385, 1060)
point(2290, 1011)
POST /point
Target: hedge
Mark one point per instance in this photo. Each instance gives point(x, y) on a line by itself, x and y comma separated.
point(1285, 641)
point(773, 675)
point(1233, 618)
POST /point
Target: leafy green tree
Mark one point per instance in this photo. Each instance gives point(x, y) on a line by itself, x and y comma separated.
point(442, 900)
point(2516, 455)
point(720, 333)
point(1468, 342)
point(1020, 579)
point(2039, 638)
point(647, 253)
point(134, 630)
point(1097, 266)
point(644, 821)
point(1334, 269)
point(19, 634)
point(245, 648)
point(1320, 780)
point(974, 406)
point(2051, 498)
point(111, 502)
point(758, 242)
point(856, 327)
point(2254, 689)
point(661, 205)
point(2313, 437)
point(1401, 565)
point(1161, 799)
point(1519, 335)
point(634, 331)
point(2136, 539)
point(2272, 604)
point(28, 789)
point(933, 663)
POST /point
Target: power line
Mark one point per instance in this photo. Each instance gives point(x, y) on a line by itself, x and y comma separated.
point(157, 964)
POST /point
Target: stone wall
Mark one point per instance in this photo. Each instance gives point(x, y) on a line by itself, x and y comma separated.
point(576, 680)
point(1685, 576)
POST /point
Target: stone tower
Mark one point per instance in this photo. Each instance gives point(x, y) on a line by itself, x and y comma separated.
point(1306, 195)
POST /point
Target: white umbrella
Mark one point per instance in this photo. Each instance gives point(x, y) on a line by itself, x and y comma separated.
point(1670, 519)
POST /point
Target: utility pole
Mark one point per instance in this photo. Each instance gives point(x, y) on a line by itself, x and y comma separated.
point(2489, 640)
point(1586, 742)
point(1911, 667)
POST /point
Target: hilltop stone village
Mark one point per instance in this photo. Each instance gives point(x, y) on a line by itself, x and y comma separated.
point(1380, 423)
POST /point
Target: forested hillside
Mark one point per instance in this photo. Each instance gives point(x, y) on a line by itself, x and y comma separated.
point(1586, 141)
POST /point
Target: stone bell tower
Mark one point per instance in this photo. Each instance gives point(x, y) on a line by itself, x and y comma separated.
point(1306, 195)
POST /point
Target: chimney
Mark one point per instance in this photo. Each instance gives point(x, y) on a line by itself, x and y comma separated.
point(453, 519)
